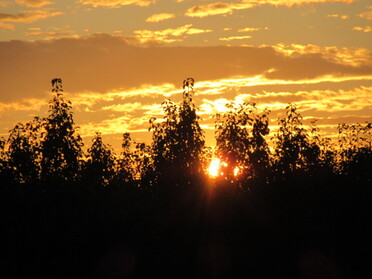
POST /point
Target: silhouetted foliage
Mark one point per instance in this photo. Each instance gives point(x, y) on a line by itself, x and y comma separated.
point(101, 162)
point(61, 145)
point(178, 140)
point(240, 138)
point(291, 143)
point(24, 151)
point(302, 211)
point(3, 156)
point(124, 166)
point(355, 151)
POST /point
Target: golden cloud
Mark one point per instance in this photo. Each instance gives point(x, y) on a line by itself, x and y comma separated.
point(7, 26)
point(49, 33)
point(168, 35)
point(117, 3)
point(366, 15)
point(252, 29)
point(235, 38)
point(109, 64)
point(27, 16)
point(218, 8)
point(290, 3)
point(160, 17)
point(338, 16)
point(221, 8)
point(364, 29)
point(341, 55)
point(33, 3)
point(128, 107)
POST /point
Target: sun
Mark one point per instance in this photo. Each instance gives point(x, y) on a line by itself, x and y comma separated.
point(214, 167)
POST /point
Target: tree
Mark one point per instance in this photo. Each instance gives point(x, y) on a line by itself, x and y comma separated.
point(61, 145)
point(3, 156)
point(101, 161)
point(355, 150)
point(240, 138)
point(124, 165)
point(24, 151)
point(291, 142)
point(178, 140)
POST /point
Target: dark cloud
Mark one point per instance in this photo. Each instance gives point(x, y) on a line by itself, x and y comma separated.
point(101, 63)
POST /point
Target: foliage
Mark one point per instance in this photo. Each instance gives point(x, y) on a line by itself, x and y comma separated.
point(61, 145)
point(291, 143)
point(24, 151)
point(240, 138)
point(101, 161)
point(51, 148)
point(178, 140)
point(124, 165)
point(3, 155)
point(355, 149)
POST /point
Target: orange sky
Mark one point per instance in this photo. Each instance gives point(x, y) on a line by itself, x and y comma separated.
point(120, 59)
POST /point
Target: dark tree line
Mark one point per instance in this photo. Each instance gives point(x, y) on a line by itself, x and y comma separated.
point(300, 209)
point(51, 148)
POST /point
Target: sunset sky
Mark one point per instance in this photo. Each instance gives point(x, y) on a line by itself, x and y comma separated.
point(120, 59)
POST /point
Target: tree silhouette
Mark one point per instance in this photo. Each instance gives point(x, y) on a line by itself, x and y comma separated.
point(61, 146)
point(355, 149)
point(143, 164)
point(291, 142)
point(101, 162)
point(156, 207)
point(124, 165)
point(24, 151)
point(240, 137)
point(178, 141)
point(3, 156)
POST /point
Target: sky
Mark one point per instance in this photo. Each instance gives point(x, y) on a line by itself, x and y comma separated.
point(120, 59)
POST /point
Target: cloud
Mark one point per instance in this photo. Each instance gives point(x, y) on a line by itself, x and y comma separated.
point(7, 26)
point(364, 29)
point(342, 55)
point(222, 8)
point(117, 3)
point(252, 29)
point(49, 33)
point(104, 63)
point(160, 17)
point(27, 16)
point(234, 38)
point(290, 3)
point(33, 3)
point(366, 15)
point(218, 8)
point(128, 107)
point(168, 35)
point(339, 16)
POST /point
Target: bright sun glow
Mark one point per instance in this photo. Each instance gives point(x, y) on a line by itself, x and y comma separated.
point(214, 167)
point(217, 166)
